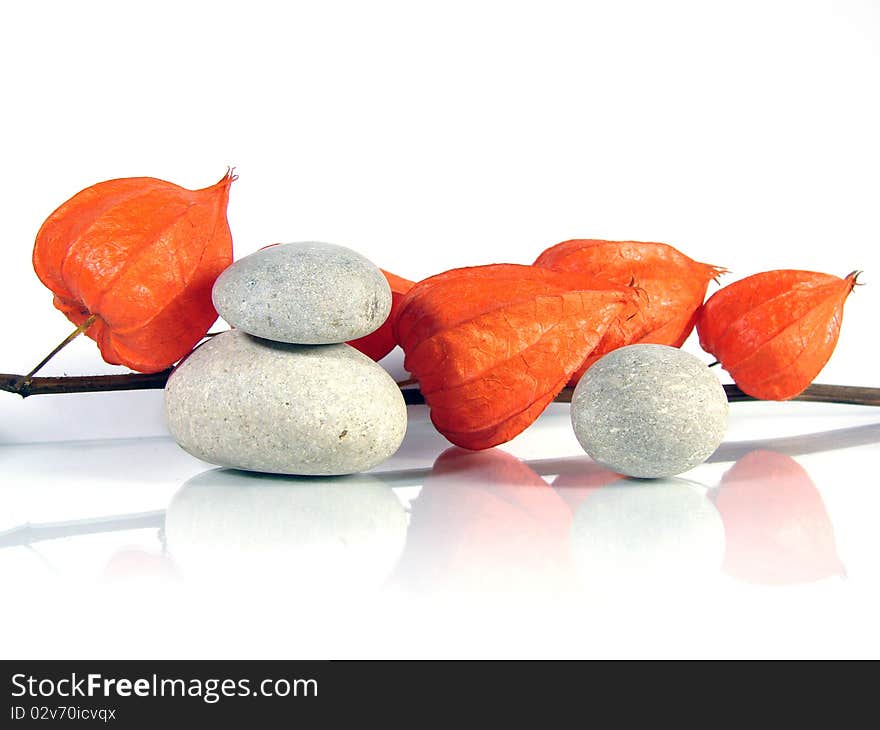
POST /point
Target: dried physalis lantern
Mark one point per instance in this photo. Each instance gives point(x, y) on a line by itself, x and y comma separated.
point(673, 287)
point(132, 261)
point(491, 346)
point(774, 331)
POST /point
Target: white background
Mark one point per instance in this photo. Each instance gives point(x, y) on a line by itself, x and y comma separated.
point(429, 136)
point(435, 135)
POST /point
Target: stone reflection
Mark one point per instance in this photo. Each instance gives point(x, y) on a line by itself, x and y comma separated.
point(329, 533)
point(629, 531)
point(482, 522)
point(778, 530)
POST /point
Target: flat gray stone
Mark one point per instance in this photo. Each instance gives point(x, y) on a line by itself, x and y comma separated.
point(304, 293)
point(252, 404)
point(649, 411)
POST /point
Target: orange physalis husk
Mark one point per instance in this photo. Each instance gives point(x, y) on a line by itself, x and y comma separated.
point(379, 343)
point(142, 255)
point(777, 527)
point(674, 286)
point(773, 332)
point(491, 346)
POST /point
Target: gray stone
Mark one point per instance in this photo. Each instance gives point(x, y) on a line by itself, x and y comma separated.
point(649, 411)
point(304, 293)
point(247, 403)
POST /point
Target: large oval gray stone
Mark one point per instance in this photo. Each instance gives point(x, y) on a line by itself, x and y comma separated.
point(649, 411)
point(304, 293)
point(247, 403)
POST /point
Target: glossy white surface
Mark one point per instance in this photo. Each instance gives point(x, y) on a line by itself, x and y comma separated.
point(130, 547)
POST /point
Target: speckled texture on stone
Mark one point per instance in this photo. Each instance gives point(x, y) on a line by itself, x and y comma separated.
point(304, 293)
point(247, 403)
point(649, 411)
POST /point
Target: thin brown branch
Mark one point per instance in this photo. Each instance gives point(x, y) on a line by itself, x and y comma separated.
point(25, 379)
point(82, 383)
point(855, 395)
point(816, 393)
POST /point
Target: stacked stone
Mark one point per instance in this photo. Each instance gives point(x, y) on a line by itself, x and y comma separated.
point(281, 392)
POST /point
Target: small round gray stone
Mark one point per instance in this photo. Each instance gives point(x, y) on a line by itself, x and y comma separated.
point(304, 293)
point(247, 403)
point(649, 411)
